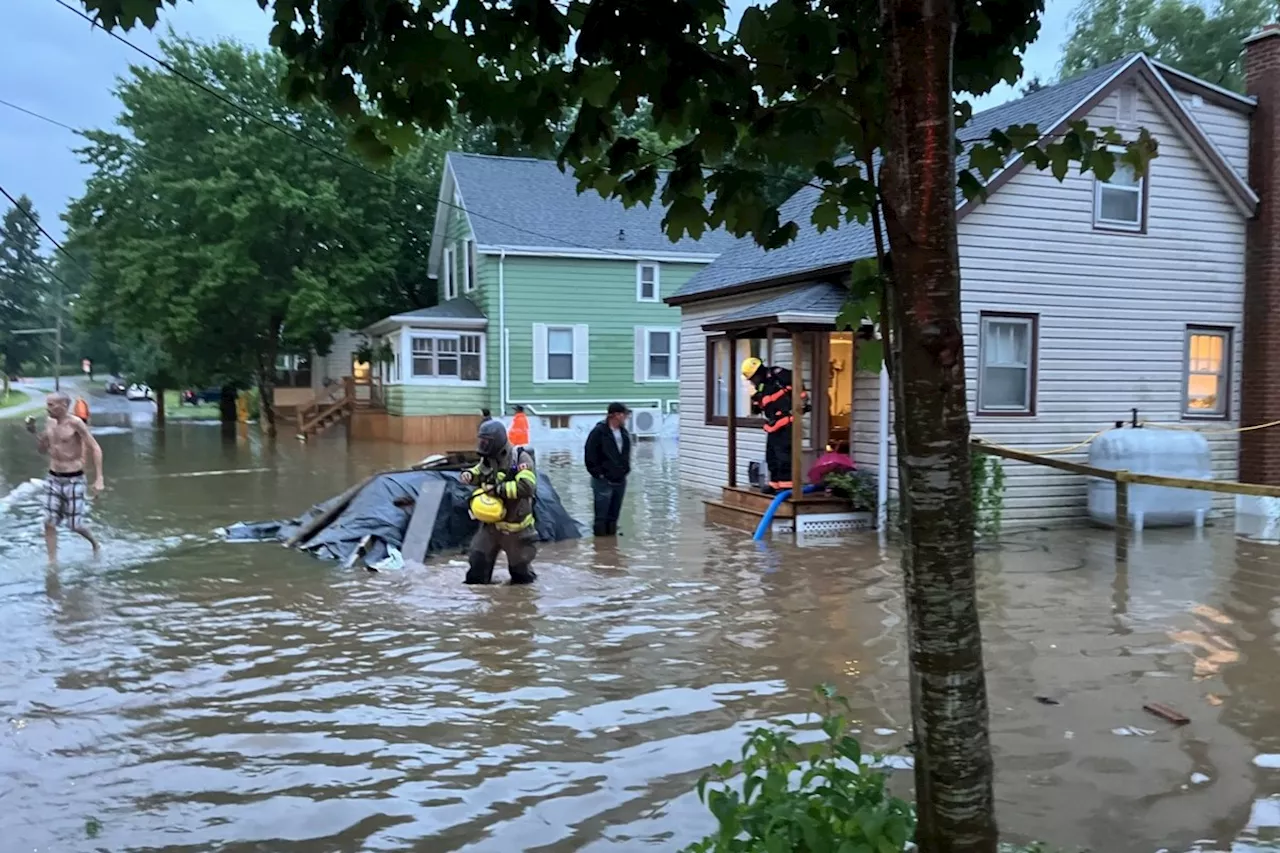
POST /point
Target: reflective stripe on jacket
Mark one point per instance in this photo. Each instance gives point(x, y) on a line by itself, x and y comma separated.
point(514, 482)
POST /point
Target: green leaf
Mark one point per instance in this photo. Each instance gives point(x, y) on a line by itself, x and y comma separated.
point(597, 85)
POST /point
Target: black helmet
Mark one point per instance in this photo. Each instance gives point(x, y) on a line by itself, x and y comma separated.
point(491, 439)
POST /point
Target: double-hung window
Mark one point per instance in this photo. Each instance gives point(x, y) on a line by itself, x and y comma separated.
point(657, 354)
point(648, 282)
point(1007, 364)
point(1119, 204)
point(449, 273)
point(1208, 372)
point(447, 358)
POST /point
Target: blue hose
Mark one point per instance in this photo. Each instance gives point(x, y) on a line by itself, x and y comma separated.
point(763, 527)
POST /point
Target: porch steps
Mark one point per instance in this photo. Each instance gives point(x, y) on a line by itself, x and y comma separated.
point(742, 509)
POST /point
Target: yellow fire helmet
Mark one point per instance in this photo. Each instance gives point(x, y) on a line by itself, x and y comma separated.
point(486, 507)
point(750, 367)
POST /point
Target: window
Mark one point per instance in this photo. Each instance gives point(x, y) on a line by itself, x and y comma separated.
point(446, 357)
point(723, 367)
point(648, 283)
point(1007, 364)
point(449, 274)
point(1208, 372)
point(558, 421)
point(1119, 203)
point(469, 266)
point(657, 354)
point(560, 353)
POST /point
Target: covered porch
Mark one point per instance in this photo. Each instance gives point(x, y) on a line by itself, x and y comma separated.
point(797, 330)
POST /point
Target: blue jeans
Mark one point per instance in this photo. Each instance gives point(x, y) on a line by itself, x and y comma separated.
point(608, 505)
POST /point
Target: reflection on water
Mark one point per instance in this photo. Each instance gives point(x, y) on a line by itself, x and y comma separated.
point(189, 695)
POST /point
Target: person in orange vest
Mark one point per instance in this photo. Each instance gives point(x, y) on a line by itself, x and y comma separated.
point(518, 435)
point(81, 410)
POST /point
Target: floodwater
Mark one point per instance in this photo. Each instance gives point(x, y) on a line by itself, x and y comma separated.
point(190, 695)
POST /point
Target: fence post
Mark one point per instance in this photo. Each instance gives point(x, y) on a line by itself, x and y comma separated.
point(1122, 516)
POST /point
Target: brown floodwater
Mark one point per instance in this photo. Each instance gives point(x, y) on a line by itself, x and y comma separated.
point(186, 694)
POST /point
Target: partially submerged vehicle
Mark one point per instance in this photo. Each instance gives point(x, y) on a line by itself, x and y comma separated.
point(404, 515)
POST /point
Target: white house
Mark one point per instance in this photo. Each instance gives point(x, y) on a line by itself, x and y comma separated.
point(1081, 300)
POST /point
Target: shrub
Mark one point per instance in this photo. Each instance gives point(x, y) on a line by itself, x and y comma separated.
point(804, 799)
point(859, 487)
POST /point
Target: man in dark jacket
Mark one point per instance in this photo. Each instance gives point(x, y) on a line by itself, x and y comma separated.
point(608, 456)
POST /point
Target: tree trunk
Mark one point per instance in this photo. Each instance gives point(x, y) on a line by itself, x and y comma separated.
point(160, 413)
point(953, 765)
point(227, 405)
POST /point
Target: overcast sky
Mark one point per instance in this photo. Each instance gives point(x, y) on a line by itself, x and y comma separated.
point(54, 64)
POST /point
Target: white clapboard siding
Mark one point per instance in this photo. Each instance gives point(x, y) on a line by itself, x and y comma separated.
point(865, 439)
point(1113, 308)
point(1228, 129)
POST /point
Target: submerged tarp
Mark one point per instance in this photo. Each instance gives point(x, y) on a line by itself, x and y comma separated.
point(382, 509)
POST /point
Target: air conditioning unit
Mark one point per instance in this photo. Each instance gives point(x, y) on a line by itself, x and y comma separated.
point(645, 422)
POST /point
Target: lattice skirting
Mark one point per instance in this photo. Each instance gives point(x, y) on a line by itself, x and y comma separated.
point(826, 524)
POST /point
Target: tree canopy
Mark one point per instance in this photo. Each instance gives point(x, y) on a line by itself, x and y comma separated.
point(1200, 39)
point(24, 286)
point(225, 243)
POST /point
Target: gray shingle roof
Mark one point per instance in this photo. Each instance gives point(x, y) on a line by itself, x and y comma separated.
point(517, 201)
point(746, 263)
point(461, 308)
point(822, 301)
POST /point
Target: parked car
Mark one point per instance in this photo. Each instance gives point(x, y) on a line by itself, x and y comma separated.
point(138, 392)
point(194, 397)
point(115, 385)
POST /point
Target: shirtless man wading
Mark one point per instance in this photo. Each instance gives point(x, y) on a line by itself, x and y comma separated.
point(66, 439)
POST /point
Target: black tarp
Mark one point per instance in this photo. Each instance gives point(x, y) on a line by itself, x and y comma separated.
point(383, 509)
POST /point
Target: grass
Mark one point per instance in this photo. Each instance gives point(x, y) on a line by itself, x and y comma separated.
point(13, 398)
point(175, 412)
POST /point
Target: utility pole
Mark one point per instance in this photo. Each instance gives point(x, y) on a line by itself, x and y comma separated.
point(56, 331)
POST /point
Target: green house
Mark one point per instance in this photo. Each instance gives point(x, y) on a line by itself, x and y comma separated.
point(549, 299)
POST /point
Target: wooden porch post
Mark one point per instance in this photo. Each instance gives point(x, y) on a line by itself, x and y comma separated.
point(732, 418)
point(797, 410)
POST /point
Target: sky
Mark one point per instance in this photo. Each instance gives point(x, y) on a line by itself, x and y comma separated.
point(53, 63)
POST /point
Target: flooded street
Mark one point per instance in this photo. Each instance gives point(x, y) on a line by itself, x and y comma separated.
point(190, 695)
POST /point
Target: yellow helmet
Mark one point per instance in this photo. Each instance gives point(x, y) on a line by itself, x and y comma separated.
point(486, 507)
point(751, 366)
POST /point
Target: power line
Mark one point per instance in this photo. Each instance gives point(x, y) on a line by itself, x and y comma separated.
point(231, 102)
point(51, 121)
point(35, 220)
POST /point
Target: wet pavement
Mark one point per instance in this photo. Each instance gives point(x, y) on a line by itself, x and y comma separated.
point(190, 695)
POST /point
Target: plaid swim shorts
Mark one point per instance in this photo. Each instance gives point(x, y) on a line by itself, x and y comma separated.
point(64, 500)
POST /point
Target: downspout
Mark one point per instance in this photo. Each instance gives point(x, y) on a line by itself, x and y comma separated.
point(504, 388)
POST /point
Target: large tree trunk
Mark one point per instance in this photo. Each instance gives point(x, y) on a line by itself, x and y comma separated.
point(953, 766)
point(160, 410)
point(227, 405)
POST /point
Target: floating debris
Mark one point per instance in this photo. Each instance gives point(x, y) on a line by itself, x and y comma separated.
point(1132, 731)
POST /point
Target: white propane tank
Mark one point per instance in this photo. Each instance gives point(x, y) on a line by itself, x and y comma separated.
point(1162, 452)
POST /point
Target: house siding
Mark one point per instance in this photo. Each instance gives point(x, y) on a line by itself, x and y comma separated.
point(600, 294)
point(434, 399)
point(457, 232)
point(1112, 311)
point(1228, 129)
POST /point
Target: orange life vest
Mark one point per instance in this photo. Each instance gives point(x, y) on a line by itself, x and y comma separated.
point(81, 409)
point(518, 435)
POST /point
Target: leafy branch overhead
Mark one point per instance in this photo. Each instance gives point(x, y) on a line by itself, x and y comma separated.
point(798, 87)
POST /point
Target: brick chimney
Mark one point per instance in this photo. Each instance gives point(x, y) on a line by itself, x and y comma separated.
point(1260, 385)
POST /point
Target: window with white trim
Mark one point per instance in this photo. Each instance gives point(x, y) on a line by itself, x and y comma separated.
point(1119, 203)
point(657, 354)
point(1006, 364)
point(724, 367)
point(449, 274)
point(447, 358)
point(1208, 372)
point(648, 282)
point(469, 266)
point(560, 354)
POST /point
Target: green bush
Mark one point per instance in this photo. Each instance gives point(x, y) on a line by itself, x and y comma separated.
point(822, 797)
point(859, 487)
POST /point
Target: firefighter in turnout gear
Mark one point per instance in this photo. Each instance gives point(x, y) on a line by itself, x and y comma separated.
point(506, 473)
point(771, 397)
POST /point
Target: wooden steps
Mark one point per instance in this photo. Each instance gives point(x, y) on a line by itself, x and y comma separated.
point(742, 509)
